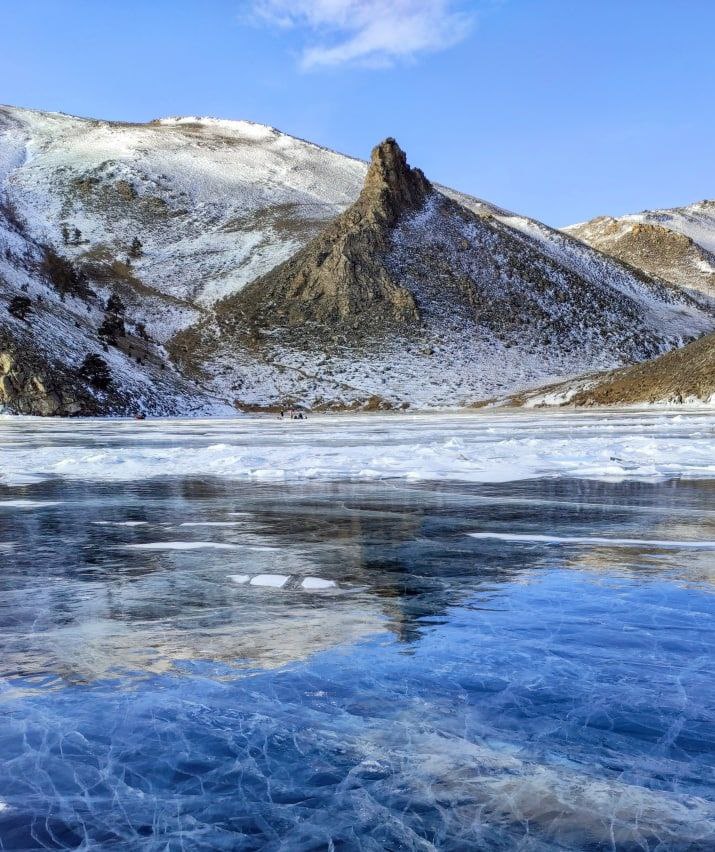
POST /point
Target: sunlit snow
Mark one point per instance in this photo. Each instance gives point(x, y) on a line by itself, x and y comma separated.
point(486, 446)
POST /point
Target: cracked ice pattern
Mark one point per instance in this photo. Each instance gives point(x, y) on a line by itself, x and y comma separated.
point(452, 692)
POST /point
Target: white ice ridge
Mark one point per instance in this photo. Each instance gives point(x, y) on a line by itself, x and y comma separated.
point(278, 581)
point(485, 446)
point(27, 504)
point(612, 542)
point(182, 545)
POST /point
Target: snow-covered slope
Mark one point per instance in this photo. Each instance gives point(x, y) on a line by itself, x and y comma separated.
point(410, 298)
point(214, 203)
point(677, 245)
point(55, 345)
point(176, 218)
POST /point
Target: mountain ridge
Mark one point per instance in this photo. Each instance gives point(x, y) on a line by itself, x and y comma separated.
point(462, 301)
point(675, 244)
point(165, 251)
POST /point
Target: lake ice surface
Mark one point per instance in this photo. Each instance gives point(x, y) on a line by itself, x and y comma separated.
point(487, 446)
point(423, 662)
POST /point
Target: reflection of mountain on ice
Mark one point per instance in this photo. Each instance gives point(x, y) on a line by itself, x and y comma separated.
point(499, 688)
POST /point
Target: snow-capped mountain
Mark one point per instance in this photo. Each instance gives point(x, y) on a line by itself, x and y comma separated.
point(155, 267)
point(214, 203)
point(677, 245)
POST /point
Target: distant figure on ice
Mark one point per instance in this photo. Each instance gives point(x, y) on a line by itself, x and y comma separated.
point(292, 414)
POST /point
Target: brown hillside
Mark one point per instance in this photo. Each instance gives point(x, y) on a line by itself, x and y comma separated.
point(674, 377)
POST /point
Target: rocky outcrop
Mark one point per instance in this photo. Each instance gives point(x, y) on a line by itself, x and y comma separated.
point(415, 299)
point(24, 390)
point(30, 386)
point(340, 276)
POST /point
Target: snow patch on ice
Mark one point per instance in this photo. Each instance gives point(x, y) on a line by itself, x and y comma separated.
point(28, 504)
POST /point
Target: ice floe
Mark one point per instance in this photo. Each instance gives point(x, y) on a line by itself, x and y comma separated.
point(280, 581)
point(272, 581)
point(315, 583)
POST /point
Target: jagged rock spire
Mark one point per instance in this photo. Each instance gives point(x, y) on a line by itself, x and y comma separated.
point(391, 182)
point(340, 276)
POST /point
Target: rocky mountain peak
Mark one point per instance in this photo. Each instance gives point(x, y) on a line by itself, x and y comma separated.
point(340, 276)
point(391, 182)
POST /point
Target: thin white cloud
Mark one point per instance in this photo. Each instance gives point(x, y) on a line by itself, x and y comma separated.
point(368, 32)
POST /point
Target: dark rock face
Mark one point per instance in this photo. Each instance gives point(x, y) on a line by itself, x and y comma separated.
point(340, 276)
point(391, 185)
point(27, 386)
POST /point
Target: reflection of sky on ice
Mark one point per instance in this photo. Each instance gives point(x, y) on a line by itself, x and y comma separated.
point(447, 690)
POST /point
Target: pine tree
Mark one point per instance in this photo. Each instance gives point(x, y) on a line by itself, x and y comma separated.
point(136, 249)
point(96, 372)
point(20, 307)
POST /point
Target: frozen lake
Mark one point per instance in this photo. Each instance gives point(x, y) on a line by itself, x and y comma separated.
point(458, 632)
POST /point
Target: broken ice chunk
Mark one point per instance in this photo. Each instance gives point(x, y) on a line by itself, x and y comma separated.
point(317, 583)
point(274, 581)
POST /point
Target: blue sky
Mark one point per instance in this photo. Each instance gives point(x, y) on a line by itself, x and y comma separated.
point(560, 109)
